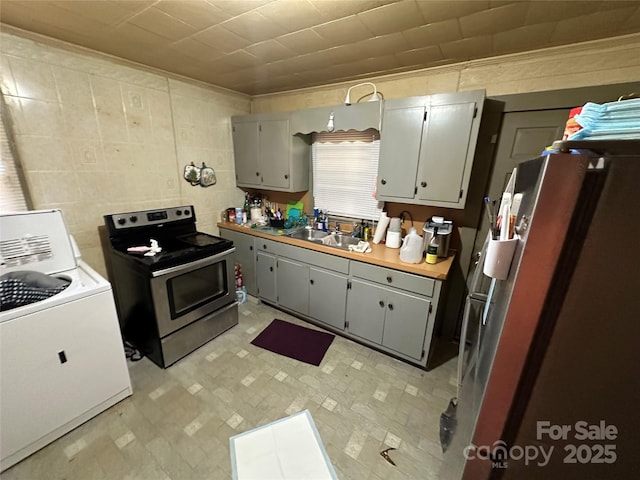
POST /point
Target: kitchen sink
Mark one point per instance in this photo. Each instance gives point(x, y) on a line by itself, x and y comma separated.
point(341, 241)
point(309, 235)
point(329, 239)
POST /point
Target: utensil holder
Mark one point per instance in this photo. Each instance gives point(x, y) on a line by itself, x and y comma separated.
point(498, 260)
point(276, 223)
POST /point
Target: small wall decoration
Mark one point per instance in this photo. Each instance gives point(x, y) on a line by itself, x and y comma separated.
point(192, 174)
point(203, 176)
point(207, 176)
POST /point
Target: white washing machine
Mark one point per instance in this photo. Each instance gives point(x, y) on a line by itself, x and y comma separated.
point(62, 359)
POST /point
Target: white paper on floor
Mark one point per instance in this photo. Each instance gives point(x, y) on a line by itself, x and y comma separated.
point(289, 448)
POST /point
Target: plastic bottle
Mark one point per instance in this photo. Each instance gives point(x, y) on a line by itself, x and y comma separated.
point(411, 250)
point(432, 248)
point(246, 207)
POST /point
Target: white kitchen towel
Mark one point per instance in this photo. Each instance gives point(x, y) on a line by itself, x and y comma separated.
point(289, 448)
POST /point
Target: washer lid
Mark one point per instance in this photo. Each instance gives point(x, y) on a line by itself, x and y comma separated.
point(36, 240)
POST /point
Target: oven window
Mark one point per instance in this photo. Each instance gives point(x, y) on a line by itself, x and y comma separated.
point(196, 288)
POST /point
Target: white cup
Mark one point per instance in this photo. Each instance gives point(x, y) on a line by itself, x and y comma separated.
point(498, 259)
point(393, 239)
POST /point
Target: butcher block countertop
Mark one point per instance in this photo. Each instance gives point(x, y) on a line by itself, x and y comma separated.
point(380, 255)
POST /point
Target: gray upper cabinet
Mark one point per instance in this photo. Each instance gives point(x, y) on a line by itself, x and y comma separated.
point(400, 151)
point(268, 155)
point(427, 145)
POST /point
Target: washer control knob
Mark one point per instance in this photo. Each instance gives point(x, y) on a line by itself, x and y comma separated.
point(122, 221)
point(178, 212)
point(187, 212)
point(133, 219)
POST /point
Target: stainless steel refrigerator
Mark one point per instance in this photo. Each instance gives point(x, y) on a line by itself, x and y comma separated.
point(549, 382)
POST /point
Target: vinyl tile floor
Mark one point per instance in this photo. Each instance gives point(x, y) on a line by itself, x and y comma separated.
point(178, 421)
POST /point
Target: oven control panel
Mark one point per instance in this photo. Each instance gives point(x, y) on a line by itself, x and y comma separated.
point(152, 217)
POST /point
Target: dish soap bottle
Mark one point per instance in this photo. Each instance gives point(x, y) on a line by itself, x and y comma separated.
point(432, 248)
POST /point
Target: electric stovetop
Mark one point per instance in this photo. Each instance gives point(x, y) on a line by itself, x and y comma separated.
point(173, 228)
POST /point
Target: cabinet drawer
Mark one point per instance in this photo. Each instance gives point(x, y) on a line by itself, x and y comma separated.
point(311, 257)
point(393, 278)
point(264, 245)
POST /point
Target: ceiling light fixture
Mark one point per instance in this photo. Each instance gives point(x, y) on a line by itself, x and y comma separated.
point(375, 96)
point(330, 124)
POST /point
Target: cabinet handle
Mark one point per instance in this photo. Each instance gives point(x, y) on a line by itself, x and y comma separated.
point(423, 184)
point(264, 246)
point(257, 174)
point(271, 269)
point(390, 306)
point(383, 181)
point(389, 279)
point(311, 281)
point(381, 303)
point(286, 177)
point(251, 247)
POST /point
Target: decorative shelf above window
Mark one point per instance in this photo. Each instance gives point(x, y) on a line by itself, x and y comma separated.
point(359, 116)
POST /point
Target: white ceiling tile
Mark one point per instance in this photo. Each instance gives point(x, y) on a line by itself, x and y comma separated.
point(391, 18)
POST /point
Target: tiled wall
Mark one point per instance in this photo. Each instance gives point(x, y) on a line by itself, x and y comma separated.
point(96, 136)
point(602, 62)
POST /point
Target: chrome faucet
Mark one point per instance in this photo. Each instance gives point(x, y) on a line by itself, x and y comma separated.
point(337, 231)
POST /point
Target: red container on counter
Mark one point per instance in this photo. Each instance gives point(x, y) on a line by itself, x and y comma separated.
point(231, 215)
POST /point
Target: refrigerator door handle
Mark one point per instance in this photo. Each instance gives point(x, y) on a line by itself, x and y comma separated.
point(481, 299)
point(473, 296)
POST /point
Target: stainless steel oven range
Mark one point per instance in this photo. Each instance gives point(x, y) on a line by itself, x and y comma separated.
point(171, 303)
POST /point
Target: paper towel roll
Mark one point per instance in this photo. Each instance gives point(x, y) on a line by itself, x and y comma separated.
point(383, 223)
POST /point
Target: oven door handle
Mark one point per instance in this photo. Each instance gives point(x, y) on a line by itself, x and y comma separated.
point(195, 264)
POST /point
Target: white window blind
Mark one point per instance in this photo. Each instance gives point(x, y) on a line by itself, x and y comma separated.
point(345, 169)
point(12, 198)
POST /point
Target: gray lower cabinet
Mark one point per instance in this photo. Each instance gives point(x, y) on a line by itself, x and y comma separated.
point(292, 279)
point(381, 307)
point(245, 256)
point(393, 310)
point(391, 318)
point(266, 276)
point(366, 310)
point(313, 284)
point(327, 296)
point(405, 323)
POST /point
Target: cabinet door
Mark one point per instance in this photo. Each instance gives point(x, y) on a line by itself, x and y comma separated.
point(275, 151)
point(245, 255)
point(444, 153)
point(293, 285)
point(366, 305)
point(245, 153)
point(405, 323)
point(327, 297)
point(399, 151)
point(266, 275)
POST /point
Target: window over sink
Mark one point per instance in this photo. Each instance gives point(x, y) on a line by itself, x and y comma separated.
point(345, 169)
